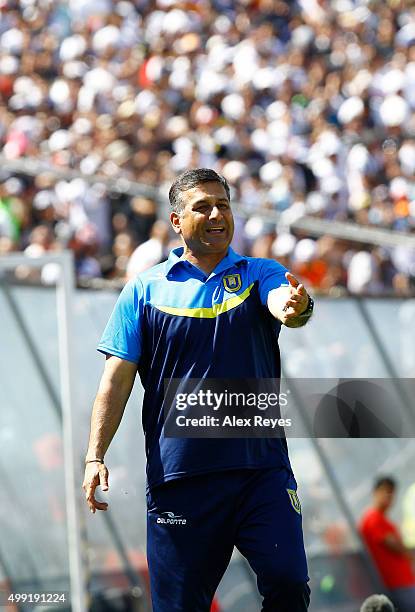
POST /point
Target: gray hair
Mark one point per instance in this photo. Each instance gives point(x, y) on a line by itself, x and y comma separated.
point(377, 603)
point(190, 179)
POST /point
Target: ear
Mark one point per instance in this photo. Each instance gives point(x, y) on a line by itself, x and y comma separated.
point(175, 220)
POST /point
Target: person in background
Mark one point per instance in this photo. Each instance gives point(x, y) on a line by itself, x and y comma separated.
point(377, 603)
point(392, 558)
point(305, 107)
point(151, 252)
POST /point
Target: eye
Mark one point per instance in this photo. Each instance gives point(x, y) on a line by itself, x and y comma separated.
point(202, 209)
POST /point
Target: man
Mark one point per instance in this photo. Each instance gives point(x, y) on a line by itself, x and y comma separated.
point(383, 540)
point(206, 313)
point(150, 252)
point(377, 603)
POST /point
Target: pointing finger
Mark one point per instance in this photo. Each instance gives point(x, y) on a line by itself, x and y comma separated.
point(301, 289)
point(291, 279)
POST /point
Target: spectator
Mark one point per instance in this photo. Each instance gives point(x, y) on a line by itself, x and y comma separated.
point(382, 538)
point(377, 603)
point(307, 107)
point(123, 247)
point(85, 245)
point(151, 252)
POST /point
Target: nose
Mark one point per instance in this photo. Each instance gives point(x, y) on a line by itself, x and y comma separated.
point(215, 214)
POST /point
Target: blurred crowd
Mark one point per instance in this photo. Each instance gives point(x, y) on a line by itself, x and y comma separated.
point(307, 107)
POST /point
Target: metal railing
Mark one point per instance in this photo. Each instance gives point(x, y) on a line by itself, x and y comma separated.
point(312, 225)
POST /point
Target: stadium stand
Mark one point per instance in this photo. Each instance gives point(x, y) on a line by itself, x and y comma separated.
point(306, 107)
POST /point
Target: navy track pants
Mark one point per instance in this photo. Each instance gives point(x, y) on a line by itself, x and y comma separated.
point(194, 523)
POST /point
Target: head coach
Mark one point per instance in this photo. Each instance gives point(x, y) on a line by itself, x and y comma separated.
point(205, 313)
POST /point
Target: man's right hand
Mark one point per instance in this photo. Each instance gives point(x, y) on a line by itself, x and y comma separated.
point(113, 393)
point(95, 474)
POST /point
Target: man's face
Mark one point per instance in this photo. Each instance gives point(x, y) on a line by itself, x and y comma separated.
point(206, 221)
point(384, 496)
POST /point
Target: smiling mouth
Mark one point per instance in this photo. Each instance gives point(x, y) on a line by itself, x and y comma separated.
point(216, 230)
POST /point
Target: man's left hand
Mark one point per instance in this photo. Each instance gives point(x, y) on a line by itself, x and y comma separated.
point(288, 303)
point(297, 300)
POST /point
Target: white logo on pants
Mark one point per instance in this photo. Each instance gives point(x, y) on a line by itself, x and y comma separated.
point(171, 519)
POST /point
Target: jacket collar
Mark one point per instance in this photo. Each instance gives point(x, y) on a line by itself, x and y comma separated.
point(175, 260)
